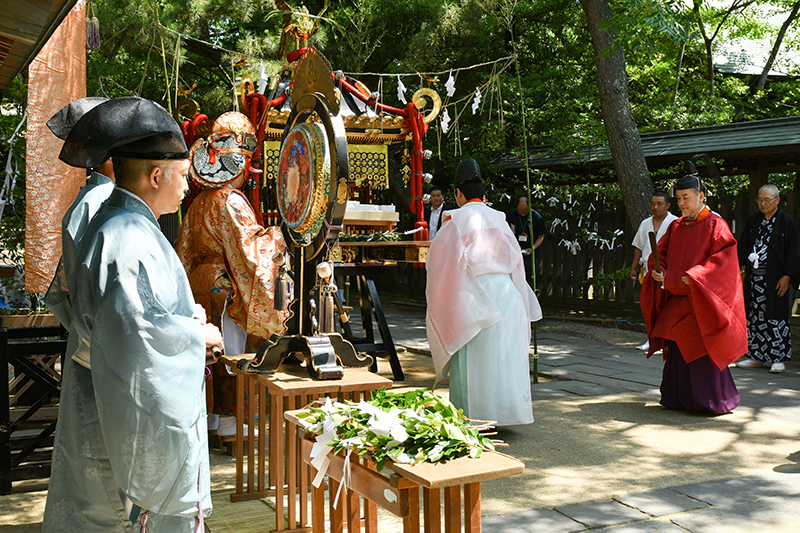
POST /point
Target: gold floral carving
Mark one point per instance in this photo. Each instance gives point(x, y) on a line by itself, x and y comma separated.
point(342, 193)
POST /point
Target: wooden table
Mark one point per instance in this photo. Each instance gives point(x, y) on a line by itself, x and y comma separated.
point(397, 490)
point(281, 473)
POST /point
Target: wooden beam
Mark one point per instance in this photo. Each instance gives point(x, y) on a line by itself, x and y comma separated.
point(25, 21)
point(758, 177)
point(28, 30)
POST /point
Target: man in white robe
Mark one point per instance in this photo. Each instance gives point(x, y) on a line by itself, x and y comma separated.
point(130, 451)
point(658, 224)
point(480, 308)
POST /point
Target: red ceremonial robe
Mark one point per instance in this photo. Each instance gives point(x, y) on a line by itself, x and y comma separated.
point(707, 316)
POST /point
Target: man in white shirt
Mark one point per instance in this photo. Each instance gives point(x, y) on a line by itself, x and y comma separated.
point(658, 224)
point(433, 214)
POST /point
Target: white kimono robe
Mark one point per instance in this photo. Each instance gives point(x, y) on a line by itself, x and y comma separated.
point(73, 226)
point(135, 424)
point(480, 306)
point(642, 239)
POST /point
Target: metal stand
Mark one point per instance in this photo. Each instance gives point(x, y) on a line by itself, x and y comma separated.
point(370, 304)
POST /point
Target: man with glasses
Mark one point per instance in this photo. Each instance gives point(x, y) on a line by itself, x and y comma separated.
point(769, 259)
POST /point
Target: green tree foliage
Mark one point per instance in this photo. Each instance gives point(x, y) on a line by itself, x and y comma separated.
point(12, 153)
point(150, 46)
point(668, 61)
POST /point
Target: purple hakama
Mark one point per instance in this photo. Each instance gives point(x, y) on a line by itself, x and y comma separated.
point(696, 386)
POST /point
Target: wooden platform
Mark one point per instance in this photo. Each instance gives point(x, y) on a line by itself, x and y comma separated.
point(280, 472)
point(397, 489)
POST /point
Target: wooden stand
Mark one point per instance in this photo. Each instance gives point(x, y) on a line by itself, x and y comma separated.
point(397, 491)
point(370, 304)
point(287, 389)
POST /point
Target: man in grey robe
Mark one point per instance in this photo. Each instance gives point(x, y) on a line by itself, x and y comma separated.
point(91, 196)
point(130, 451)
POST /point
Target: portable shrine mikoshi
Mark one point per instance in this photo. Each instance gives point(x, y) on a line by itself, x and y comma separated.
point(318, 115)
point(311, 196)
point(370, 127)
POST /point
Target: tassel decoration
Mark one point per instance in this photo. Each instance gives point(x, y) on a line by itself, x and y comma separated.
point(92, 30)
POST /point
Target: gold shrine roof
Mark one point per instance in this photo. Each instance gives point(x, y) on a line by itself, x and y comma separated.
point(360, 129)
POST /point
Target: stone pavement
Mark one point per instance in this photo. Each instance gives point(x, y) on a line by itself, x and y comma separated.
point(610, 459)
point(602, 455)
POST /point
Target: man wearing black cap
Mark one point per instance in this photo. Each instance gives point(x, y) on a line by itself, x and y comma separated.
point(480, 308)
point(131, 442)
point(91, 196)
point(694, 306)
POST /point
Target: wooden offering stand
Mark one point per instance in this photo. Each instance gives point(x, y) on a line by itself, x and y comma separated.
point(396, 489)
point(283, 474)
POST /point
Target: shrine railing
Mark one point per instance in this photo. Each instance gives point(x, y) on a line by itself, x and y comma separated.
point(30, 384)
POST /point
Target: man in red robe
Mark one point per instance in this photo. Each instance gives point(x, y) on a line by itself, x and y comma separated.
point(694, 307)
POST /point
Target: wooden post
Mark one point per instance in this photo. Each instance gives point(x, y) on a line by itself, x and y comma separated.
point(277, 399)
point(305, 478)
point(472, 508)
point(432, 510)
point(411, 521)
point(240, 379)
point(758, 177)
point(262, 436)
point(318, 509)
point(370, 507)
point(452, 509)
point(337, 514)
point(291, 465)
point(353, 502)
point(251, 429)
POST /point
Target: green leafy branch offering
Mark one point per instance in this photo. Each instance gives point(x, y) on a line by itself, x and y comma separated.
point(614, 276)
point(413, 427)
point(377, 236)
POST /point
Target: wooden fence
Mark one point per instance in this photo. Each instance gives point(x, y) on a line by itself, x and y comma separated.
point(580, 280)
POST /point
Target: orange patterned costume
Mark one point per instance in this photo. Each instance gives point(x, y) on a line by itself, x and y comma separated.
point(221, 238)
point(226, 253)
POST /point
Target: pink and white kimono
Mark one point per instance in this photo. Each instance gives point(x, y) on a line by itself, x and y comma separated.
point(479, 313)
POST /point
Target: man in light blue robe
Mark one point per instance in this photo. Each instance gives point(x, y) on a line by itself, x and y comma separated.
point(90, 197)
point(130, 451)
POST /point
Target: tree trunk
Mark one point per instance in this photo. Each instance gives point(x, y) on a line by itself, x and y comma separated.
point(707, 44)
point(615, 107)
point(762, 80)
point(710, 67)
